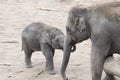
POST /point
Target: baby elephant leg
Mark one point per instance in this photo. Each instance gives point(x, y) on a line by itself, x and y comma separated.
point(48, 52)
point(109, 77)
point(28, 54)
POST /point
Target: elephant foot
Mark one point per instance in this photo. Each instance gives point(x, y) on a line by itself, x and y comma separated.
point(109, 78)
point(66, 78)
point(50, 72)
point(29, 66)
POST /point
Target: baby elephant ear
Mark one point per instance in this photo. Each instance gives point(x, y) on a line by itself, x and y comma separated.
point(50, 35)
point(82, 25)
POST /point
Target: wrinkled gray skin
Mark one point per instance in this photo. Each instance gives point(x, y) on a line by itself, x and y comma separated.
point(102, 25)
point(41, 37)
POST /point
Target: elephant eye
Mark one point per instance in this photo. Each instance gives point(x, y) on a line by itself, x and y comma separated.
point(68, 29)
point(83, 30)
point(57, 40)
point(77, 21)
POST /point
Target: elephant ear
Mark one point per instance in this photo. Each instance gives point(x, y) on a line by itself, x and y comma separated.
point(80, 23)
point(50, 37)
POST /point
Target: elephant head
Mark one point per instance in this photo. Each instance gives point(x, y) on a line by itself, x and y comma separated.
point(57, 40)
point(77, 30)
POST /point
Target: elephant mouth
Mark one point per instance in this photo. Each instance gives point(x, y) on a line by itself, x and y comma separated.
point(73, 48)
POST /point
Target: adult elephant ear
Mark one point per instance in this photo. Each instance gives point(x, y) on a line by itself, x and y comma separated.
point(80, 23)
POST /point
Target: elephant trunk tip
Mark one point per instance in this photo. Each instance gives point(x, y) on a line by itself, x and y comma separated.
point(73, 48)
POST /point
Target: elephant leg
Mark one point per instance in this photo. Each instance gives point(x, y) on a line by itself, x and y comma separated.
point(97, 61)
point(28, 54)
point(101, 45)
point(96, 65)
point(48, 52)
point(109, 77)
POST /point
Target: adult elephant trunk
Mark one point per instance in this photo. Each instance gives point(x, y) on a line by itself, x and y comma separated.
point(67, 50)
point(73, 48)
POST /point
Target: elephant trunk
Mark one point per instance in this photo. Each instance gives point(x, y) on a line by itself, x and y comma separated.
point(66, 56)
point(73, 48)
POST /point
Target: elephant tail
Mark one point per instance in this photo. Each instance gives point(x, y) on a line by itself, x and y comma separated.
point(22, 46)
point(23, 43)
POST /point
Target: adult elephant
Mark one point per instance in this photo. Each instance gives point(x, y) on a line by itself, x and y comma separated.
point(100, 23)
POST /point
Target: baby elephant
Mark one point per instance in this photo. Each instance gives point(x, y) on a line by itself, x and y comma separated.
point(41, 37)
